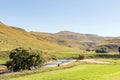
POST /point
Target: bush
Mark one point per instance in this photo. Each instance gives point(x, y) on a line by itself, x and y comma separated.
point(81, 56)
point(88, 50)
point(119, 50)
point(22, 59)
point(102, 50)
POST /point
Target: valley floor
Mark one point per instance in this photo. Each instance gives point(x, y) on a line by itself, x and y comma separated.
point(79, 72)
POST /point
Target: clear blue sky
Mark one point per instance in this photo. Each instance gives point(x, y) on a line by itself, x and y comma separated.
point(100, 17)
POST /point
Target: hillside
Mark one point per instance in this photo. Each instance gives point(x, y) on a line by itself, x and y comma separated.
point(52, 38)
point(112, 43)
point(91, 40)
point(79, 40)
point(69, 39)
point(86, 40)
point(73, 36)
point(12, 37)
point(80, 37)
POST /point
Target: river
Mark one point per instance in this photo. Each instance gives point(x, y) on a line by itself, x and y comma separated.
point(58, 62)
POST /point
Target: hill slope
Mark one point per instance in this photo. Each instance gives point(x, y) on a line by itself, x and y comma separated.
point(78, 40)
point(12, 37)
point(52, 38)
point(69, 39)
point(79, 37)
point(86, 40)
point(112, 43)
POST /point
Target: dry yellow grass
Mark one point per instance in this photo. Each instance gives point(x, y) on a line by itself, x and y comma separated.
point(11, 37)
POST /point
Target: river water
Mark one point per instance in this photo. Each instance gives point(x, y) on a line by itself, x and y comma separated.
point(58, 62)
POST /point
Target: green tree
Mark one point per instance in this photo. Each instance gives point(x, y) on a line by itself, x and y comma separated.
point(22, 59)
point(119, 50)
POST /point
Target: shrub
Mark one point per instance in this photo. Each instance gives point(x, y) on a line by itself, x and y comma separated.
point(88, 50)
point(81, 56)
point(102, 50)
point(21, 59)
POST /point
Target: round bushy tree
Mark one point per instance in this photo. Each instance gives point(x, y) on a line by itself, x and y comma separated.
point(21, 59)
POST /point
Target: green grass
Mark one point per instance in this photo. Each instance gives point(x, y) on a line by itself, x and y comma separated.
point(2, 61)
point(80, 72)
point(40, 70)
point(67, 54)
point(3, 56)
point(74, 54)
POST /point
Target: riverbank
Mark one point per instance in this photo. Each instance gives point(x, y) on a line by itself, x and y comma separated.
point(36, 71)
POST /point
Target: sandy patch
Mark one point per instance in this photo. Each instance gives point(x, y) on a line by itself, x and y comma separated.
point(94, 61)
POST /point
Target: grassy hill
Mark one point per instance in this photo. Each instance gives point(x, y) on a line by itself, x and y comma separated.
point(12, 37)
point(52, 38)
point(90, 40)
point(112, 43)
point(79, 37)
point(69, 39)
point(61, 43)
point(85, 40)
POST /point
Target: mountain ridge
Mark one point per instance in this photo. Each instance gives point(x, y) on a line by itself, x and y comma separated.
point(12, 37)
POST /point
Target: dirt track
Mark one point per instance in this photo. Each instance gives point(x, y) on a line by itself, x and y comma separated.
point(94, 61)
